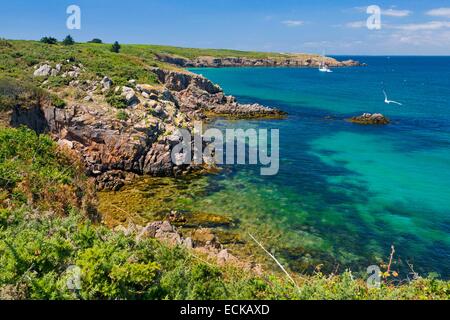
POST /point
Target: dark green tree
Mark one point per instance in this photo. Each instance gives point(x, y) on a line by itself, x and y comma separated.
point(95, 40)
point(115, 47)
point(49, 40)
point(68, 41)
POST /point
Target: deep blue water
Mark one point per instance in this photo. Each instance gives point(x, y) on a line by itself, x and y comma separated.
point(345, 193)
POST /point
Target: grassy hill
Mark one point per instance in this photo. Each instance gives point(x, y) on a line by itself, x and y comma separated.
point(17, 58)
point(192, 53)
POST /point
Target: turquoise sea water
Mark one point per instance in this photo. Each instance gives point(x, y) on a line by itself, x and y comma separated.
point(345, 193)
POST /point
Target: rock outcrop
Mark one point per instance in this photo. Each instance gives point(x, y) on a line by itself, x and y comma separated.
point(64, 69)
point(202, 240)
point(368, 118)
point(198, 96)
point(113, 149)
point(115, 144)
point(43, 71)
point(279, 61)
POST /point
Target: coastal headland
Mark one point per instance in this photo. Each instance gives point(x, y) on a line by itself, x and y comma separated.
point(120, 116)
point(76, 188)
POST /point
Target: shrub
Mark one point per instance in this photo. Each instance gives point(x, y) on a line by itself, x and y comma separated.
point(95, 40)
point(116, 100)
point(57, 102)
point(49, 40)
point(115, 47)
point(122, 115)
point(33, 170)
point(4, 43)
point(108, 274)
point(23, 94)
point(57, 82)
point(68, 41)
point(18, 93)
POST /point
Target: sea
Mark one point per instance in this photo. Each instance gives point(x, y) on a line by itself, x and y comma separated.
point(346, 195)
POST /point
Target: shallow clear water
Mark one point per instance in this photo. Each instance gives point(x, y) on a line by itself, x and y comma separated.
point(345, 193)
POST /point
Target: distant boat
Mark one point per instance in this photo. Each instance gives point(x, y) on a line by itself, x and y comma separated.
point(323, 67)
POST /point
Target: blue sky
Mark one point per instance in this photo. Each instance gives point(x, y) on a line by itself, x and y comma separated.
point(336, 27)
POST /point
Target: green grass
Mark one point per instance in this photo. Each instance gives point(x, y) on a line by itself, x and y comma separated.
point(192, 53)
point(17, 58)
point(24, 94)
point(122, 115)
point(34, 171)
point(44, 233)
point(116, 100)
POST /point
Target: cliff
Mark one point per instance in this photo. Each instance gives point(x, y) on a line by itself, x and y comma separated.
point(122, 130)
point(307, 61)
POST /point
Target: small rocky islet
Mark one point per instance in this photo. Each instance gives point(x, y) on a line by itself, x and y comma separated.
point(370, 119)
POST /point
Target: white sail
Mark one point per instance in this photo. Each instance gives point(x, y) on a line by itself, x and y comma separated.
point(323, 67)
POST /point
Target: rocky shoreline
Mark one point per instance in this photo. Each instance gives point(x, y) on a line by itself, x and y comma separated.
point(123, 131)
point(306, 61)
point(201, 241)
point(118, 143)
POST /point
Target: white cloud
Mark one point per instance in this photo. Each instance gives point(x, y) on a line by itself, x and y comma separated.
point(424, 38)
point(391, 12)
point(439, 12)
point(293, 23)
point(396, 13)
point(432, 25)
point(356, 24)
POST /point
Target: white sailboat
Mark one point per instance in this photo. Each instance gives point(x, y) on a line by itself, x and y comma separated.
point(323, 67)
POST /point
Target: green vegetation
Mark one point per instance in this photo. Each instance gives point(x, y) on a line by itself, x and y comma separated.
point(35, 172)
point(115, 47)
point(68, 41)
point(57, 101)
point(122, 115)
point(49, 40)
point(25, 94)
point(57, 82)
point(47, 225)
point(18, 58)
point(4, 43)
point(192, 53)
point(95, 40)
point(116, 100)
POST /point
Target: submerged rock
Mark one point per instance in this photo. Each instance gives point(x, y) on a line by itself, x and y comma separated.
point(204, 237)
